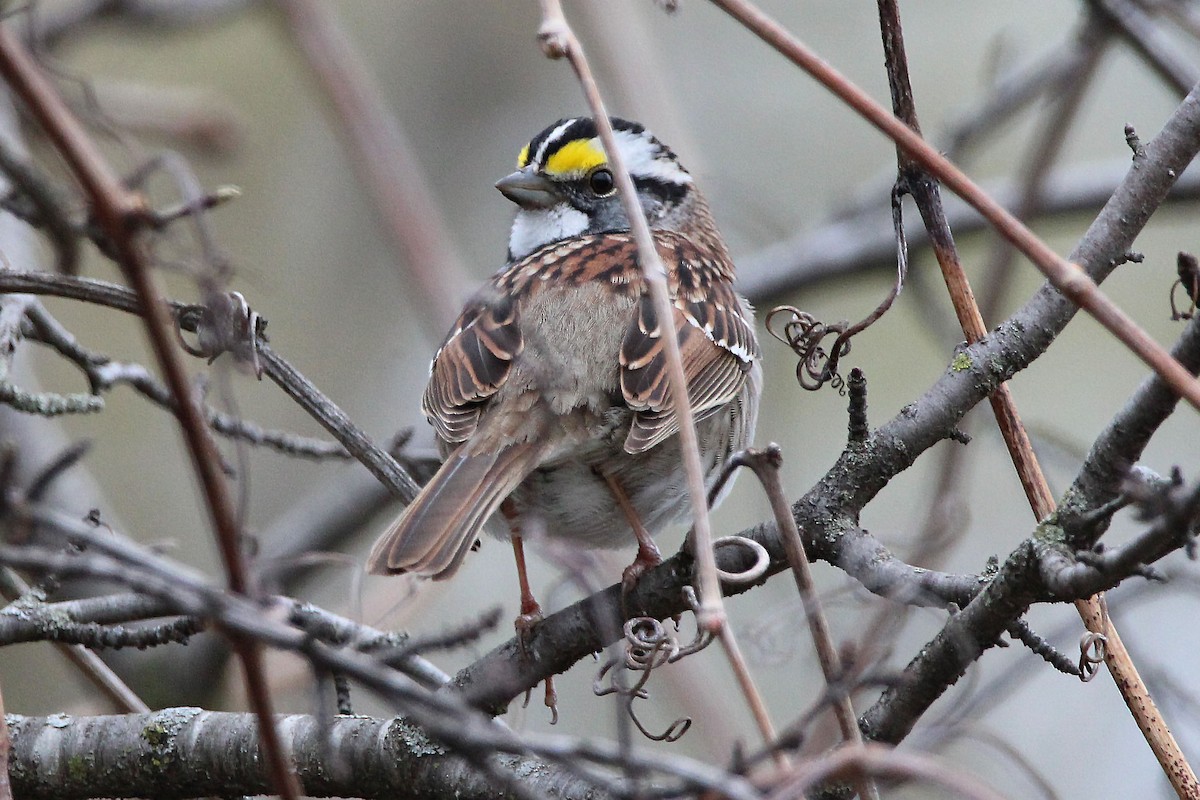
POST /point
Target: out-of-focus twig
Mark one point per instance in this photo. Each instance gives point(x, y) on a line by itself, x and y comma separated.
point(121, 213)
point(1013, 91)
point(382, 157)
point(861, 238)
point(1047, 144)
point(1152, 44)
point(878, 761)
point(90, 665)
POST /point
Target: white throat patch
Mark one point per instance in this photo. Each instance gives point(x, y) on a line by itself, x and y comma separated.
point(533, 228)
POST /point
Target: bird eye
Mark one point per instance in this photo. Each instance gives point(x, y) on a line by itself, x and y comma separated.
point(601, 182)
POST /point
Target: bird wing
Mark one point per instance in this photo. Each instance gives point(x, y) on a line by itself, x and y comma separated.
point(472, 363)
point(716, 342)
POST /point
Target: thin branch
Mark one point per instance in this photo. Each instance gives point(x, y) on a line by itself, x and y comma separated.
point(90, 665)
point(765, 465)
point(103, 374)
point(119, 212)
point(1078, 576)
point(16, 624)
point(385, 467)
point(1119, 446)
point(1067, 277)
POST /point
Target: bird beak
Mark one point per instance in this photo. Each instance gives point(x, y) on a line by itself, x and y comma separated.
point(528, 189)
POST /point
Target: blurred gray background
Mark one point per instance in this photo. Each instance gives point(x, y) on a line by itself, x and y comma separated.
point(776, 155)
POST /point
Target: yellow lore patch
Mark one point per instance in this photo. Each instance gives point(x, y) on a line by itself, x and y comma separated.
point(523, 157)
point(576, 157)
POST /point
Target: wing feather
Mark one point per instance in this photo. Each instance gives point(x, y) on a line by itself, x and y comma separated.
point(716, 342)
point(473, 363)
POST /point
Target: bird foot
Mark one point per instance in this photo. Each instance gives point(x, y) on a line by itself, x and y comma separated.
point(648, 557)
point(550, 699)
point(531, 615)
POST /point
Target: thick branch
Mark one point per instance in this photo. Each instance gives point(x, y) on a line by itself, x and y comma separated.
point(187, 752)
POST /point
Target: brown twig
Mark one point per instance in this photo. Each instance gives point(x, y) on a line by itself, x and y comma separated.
point(1067, 277)
point(758, 708)
point(121, 213)
point(559, 41)
point(1037, 490)
point(765, 465)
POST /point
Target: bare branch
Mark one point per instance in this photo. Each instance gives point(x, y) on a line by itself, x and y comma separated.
point(1074, 282)
point(120, 213)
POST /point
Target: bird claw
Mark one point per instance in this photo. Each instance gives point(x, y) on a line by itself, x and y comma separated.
point(646, 560)
point(551, 700)
point(530, 616)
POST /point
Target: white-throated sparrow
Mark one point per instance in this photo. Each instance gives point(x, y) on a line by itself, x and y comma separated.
point(549, 395)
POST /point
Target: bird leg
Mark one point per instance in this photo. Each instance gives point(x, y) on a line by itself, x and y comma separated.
point(648, 554)
point(531, 610)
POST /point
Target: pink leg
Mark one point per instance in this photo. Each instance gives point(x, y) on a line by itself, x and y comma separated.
point(531, 611)
point(648, 554)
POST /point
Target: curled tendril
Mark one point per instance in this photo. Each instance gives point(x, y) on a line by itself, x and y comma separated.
point(1188, 270)
point(648, 646)
point(643, 657)
point(755, 571)
point(804, 333)
point(226, 324)
point(1093, 647)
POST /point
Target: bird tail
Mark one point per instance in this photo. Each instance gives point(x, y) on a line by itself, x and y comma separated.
point(437, 529)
